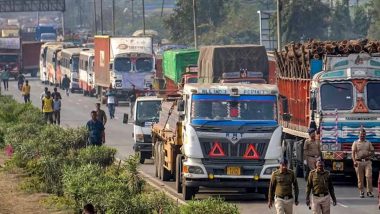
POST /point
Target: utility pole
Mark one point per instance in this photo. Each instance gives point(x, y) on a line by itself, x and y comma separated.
point(113, 17)
point(133, 18)
point(101, 16)
point(278, 25)
point(162, 7)
point(95, 24)
point(143, 7)
point(195, 24)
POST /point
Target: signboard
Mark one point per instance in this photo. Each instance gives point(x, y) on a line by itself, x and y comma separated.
point(131, 45)
point(10, 43)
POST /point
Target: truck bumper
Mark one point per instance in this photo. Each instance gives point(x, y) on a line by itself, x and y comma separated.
point(347, 169)
point(122, 94)
point(227, 183)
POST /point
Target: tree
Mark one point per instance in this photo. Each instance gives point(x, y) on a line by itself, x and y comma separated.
point(303, 19)
point(374, 29)
point(360, 23)
point(341, 24)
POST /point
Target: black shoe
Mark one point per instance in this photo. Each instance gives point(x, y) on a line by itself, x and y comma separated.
point(369, 194)
point(361, 194)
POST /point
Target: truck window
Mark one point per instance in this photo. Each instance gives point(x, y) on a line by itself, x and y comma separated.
point(336, 96)
point(122, 64)
point(373, 98)
point(144, 64)
point(148, 111)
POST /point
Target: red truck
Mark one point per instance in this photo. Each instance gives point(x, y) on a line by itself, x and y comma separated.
point(30, 59)
point(10, 55)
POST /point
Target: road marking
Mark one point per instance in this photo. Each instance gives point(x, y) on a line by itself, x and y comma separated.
point(340, 204)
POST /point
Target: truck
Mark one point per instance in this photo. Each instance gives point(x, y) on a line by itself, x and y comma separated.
point(176, 68)
point(218, 135)
point(30, 60)
point(331, 87)
point(146, 113)
point(123, 62)
point(10, 55)
point(233, 63)
point(45, 33)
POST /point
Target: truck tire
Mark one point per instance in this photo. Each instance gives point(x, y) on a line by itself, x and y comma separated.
point(155, 159)
point(165, 174)
point(178, 173)
point(188, 192)
point(159, 159)
point(264, 191)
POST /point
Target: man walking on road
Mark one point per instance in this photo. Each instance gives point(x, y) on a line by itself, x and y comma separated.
point(47, 107)
point(102, 117)
point(66, 84)
point(311, 150)
point(96, 131)
point(57, 110)
point(319, 183)
point(111, 99)
point(20, 81)
point(132, 99)
point(362, 152)
point(5, 78)
point(26, 91)
point(280, 189)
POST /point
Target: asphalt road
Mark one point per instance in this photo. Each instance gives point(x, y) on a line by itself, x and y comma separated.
point(76, 112)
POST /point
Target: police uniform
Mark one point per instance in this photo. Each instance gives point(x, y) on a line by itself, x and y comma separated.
point(364, 151)
point(312, 152)
point(280, 191)
point(319, 183)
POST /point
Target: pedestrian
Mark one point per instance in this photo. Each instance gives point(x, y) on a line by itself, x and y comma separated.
point(43, 94)
point(66, 84)
point(25, 90)
point(20, 81)
point(280, 189)
point(96, 131)
point(362, 152)
point(57, 110)
point(88, 209)
point(111, 99)
point(102, 117)
point(320, 185)
point(5, 78)
point(132, 98)
point(311, 150)
point(48, 108)
point(56, 94)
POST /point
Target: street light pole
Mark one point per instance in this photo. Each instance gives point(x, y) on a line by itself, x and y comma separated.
point(195, 24)
point(143, 7)
point(278, 25)
point(101, 16)
point(133, 19)
point(113, 17)
point(95, 25)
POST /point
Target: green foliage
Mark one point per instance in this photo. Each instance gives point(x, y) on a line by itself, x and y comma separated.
point(59, 202)
point(152, 203)
point(360, 23)
point(374, 29)
point(341, 24)
point(21, 132)
point(100, 155)
point(210, 205)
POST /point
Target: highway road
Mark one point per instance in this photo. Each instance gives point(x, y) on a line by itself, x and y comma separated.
point(76, 112)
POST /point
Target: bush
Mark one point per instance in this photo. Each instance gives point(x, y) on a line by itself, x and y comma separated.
point(17, 134)
point(210, 205)
point(152, 203)
point(101, 155)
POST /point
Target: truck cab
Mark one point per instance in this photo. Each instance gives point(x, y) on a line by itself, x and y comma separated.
point(146, 113)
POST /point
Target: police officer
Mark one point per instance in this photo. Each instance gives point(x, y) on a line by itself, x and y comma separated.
point(311, 150)
point(362, 152)
point(280, 189)
point(319, 183)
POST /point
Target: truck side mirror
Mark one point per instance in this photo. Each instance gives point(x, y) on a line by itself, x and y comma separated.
point(286, 117)
point(111, 66)
point(181, 106)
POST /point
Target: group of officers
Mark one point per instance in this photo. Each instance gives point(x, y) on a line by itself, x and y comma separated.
point(319, 183)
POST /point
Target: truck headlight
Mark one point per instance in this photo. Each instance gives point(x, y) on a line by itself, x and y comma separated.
point(195, 170)
point(139, 137)
point(270, 170)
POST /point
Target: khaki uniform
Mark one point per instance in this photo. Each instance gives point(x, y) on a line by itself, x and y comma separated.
point(319, 183)
point(280, 191)
point(311, 152)
point(364, 151)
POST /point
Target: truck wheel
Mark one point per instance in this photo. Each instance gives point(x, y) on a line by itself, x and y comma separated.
point(159, 159)
point(178, 173)
point(155, 159)
point(188, 192)
point(264, 191)
point(165, 174)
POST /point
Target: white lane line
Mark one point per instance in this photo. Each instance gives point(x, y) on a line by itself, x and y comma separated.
point(340, 204)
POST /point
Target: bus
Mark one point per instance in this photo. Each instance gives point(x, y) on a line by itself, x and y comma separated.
point(70, 66)
point(53, 70)
point(43, 71)
point(86, 72)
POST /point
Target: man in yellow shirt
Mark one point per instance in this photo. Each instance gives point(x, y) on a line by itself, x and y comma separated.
point(26, 91)
point(47, 107)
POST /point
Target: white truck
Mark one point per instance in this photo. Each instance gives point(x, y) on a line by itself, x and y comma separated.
point(146, 113)
point(218, 135)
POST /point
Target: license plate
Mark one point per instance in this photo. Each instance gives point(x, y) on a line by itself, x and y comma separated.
point(233, 170)
point(338, 166)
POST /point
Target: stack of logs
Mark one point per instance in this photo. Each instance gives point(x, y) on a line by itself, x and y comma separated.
point(294, 60)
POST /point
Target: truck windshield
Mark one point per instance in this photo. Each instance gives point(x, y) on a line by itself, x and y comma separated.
point(123, 64)
point(8, 58)
point(245, 107)
point(48, 37)
point(75, 63)
point(336, 96)
point(373, 98)
point(147, 111)
point(144, 64)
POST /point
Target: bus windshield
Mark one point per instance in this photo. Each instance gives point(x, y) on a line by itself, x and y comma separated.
point(122, 64)
point(144, 64)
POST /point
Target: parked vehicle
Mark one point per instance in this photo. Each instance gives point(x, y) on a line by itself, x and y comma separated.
point(10, 55)
point(45, 32)
point(70, 66)
point(53, 57)
point(30, 58)
point(43, 70)
point(218, 135)
point(86, 72)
